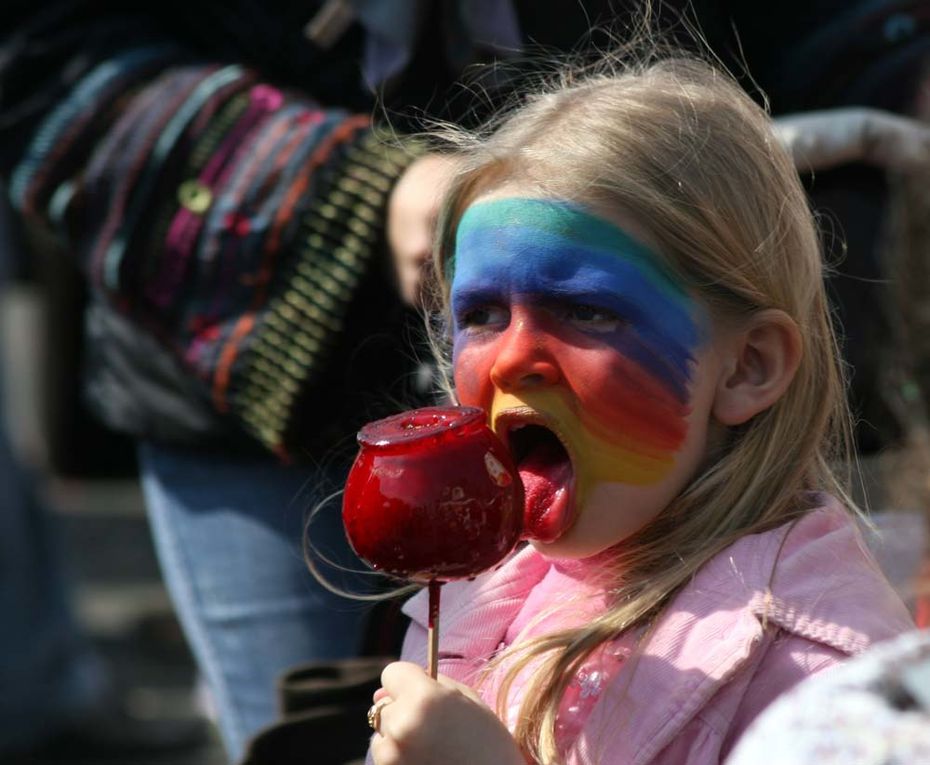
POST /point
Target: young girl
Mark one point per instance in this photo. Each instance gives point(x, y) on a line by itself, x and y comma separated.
point(636, 298)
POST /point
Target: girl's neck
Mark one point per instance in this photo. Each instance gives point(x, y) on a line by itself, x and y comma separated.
point(588, 570)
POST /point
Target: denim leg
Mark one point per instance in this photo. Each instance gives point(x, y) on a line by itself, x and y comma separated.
point(229, 534)
point(49, 674)
point(48, 670)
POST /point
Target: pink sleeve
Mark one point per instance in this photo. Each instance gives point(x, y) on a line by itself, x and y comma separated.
point(789, 660)
point(712, 733)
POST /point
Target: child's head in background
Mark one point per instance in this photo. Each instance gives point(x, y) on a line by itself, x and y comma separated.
point(634, 290)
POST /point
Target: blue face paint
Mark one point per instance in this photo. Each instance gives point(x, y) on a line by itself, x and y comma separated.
point(550, 251)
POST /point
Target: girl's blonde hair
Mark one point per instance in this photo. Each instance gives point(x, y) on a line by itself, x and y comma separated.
point(684, 151)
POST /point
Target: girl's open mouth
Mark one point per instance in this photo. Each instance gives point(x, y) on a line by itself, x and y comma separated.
point(546, 470)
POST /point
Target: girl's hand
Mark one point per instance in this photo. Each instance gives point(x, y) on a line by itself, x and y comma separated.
point(429, 721)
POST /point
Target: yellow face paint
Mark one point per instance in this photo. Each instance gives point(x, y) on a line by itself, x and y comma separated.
point(594, 459)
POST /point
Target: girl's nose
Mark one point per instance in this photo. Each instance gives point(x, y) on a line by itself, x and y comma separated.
point(524, 359)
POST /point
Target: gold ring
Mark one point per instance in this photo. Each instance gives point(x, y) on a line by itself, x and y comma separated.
point(374, 714)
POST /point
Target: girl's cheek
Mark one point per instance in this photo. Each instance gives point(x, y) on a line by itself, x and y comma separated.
point(471, 374)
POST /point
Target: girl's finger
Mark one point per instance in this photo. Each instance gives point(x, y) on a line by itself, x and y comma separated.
point(384, 726)
point(379, 694)
point(376, 714)
point(448, 682)
point(401, 677)
point(384, 751)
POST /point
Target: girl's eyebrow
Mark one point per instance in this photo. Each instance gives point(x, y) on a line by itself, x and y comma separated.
point(474, 294)
point(562, 293)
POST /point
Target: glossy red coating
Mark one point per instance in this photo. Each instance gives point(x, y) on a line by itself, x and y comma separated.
point(433, 495)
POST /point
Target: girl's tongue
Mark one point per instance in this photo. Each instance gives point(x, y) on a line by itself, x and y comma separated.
point(547, 475)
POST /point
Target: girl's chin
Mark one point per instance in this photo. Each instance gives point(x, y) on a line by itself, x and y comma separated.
point(568, 547)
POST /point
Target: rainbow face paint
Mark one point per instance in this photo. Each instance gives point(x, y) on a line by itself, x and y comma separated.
point(563, 320)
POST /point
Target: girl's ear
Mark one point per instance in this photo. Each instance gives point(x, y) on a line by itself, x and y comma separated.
point(760, 361)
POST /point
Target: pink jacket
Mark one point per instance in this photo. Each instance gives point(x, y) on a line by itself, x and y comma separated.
point(721, 652)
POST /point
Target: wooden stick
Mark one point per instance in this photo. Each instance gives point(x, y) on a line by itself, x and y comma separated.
point(432, 626)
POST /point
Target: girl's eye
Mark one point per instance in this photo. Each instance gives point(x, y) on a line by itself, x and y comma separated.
point(484, 316)
point(592, 318)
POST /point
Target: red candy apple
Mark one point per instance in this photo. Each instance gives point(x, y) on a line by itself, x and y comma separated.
point(433, 495)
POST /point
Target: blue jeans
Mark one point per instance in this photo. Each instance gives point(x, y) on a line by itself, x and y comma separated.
point(49, 675)
point(229, 534)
